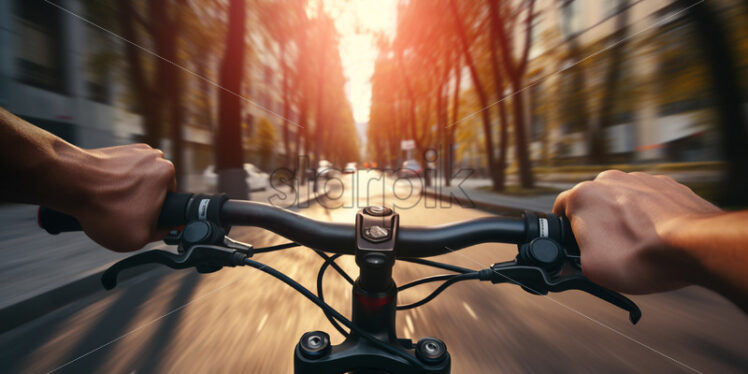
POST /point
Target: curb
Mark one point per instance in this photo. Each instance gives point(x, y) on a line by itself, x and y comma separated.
point(24, 311)
point(500, 209)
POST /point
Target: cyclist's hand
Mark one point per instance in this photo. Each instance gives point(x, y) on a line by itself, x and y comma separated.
point(123, 188)
point(622, 223)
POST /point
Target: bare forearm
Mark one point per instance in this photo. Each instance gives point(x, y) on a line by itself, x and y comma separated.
point(38, 165)
point(719, 244)
point(115, 193)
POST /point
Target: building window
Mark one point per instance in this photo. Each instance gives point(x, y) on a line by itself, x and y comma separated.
point(573, 111)
point(625, 97)
point(681, 78)
point(39, 45)
point(570, 18)
point(536, 35)
point(611, 8)
point(100, 58)
point(537, 108)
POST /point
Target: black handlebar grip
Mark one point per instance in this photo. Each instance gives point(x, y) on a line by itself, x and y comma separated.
point(173, 213)
point(174, 210)
point(55, 222)
point(567, 236)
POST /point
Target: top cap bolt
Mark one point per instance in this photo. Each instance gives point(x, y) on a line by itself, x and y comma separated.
point(378, 210)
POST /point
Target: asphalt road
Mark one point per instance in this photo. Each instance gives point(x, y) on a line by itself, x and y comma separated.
point(241, 320)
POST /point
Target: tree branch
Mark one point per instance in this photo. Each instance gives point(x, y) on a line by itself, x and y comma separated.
point(528, 38)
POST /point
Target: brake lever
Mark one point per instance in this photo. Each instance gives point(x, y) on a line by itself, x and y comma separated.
point(205, 258)
point(537, 281)
point(580, 282)
point(542, 266)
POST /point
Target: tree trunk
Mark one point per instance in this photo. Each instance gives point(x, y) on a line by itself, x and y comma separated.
point(228, 147)
point(725, 79)
point(453, 125)
point(145, 98)
point(170, 79)
point(301, 136)
point(286, 106)
point(319, 118)
point(516, 71)
point(503, 145)
point(597, 152)
point(483, 99)
point(440, 123)
point(577, 99)
point(177, 119)
point(520, 143)
point(499, 84)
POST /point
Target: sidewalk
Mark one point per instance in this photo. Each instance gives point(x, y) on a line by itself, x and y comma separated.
point(41, 272)
point(468, 195)
point(471, 194)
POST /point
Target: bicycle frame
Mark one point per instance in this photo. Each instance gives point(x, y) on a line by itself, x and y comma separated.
point(375, 312)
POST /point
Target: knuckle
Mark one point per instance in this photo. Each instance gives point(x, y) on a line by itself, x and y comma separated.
point(666, 178)
point(583, 187)
point(560, 205)
point(167, 168)
point(610, 174)
point(578, 193)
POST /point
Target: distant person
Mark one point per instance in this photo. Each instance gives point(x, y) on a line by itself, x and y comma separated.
point(637, 233)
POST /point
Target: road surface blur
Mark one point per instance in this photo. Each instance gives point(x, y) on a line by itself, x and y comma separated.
point(242, 320)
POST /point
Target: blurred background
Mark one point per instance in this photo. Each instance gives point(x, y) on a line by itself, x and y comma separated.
point(519, 91)
point(504, 103)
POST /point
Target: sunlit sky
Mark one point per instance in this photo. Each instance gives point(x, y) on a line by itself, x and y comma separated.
point(357, 22)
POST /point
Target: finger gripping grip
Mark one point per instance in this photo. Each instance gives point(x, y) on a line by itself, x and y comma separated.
point(56, 222)
point(173, 213)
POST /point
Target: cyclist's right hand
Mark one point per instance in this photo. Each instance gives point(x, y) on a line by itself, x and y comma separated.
point(623, 224)
point(120, 193)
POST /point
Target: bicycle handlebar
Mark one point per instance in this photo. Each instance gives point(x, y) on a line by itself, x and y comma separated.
point(412, 241)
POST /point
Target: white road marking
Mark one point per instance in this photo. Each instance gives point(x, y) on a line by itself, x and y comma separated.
point(409, 328)
point(262, 322)
point(469, 310)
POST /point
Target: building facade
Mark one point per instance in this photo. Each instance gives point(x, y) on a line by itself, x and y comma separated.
point(661, 106)
point(54, 74)
point(44, 76)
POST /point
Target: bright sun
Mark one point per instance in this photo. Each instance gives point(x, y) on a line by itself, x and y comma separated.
point(358, 21)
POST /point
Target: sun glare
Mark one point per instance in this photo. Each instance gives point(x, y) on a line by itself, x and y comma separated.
point(358, 22)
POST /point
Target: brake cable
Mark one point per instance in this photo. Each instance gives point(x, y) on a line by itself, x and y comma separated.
point(345, 321)
point(275, 247)
point(436, 292)
point(440, 265)
point(320, 275)
point(434, 278)
point(334, 265)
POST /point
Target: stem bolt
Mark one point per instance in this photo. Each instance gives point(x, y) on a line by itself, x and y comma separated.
point(315, 344)
point(431, 350)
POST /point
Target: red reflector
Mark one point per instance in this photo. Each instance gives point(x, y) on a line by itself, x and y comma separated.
point(373, 303)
